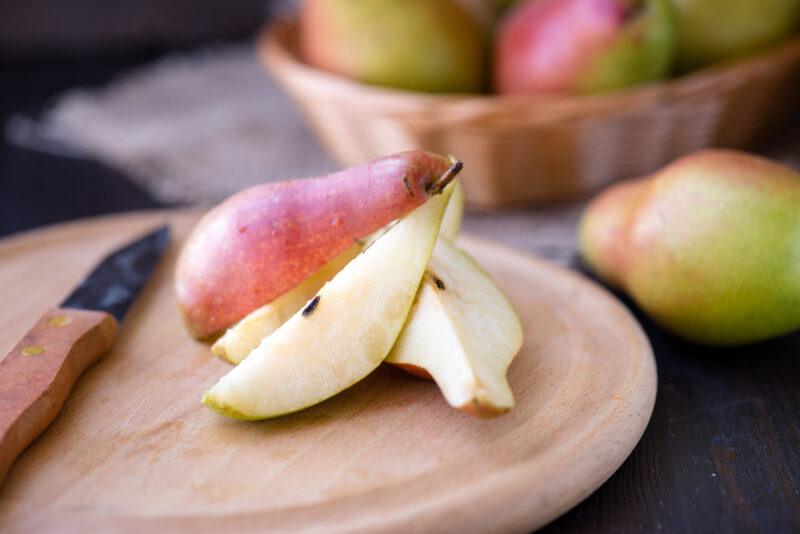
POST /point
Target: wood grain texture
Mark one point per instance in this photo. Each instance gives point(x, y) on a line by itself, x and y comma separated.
point(721, 452)
point(133, 448)
point(37, 375)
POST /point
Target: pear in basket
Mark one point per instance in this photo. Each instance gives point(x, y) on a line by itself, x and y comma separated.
point(420, 45)
point(583, 46)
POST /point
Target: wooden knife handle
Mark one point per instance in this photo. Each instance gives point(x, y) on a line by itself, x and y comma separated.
point(38, 374)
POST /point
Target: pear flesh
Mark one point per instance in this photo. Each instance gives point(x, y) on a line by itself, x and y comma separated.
point(463, 332)
point(240, 339)
point(451, 223)
point(343, 333)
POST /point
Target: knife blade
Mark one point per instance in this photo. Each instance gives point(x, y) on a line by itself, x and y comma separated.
point(38, 374)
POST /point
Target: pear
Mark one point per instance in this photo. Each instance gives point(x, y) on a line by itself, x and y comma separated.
point(604, 229)
point(462, 332)
point(263, 241)
point(451, 223)
point(583, 46)
point(239, 340)
point(245, 336)
point(343, 333)
point(709, 246)
point(419, 45)
point(715, 30)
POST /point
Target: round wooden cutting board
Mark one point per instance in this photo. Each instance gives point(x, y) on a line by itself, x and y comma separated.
point(133, 448)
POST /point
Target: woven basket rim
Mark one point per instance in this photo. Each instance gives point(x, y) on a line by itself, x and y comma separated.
point(277, 51)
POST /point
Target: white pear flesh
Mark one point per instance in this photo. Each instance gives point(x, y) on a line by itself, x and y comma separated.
point(240, 339)
point(463, 332)
point(451, 223)
point(325, 348)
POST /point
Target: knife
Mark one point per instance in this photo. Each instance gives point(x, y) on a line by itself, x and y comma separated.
point(38, 374)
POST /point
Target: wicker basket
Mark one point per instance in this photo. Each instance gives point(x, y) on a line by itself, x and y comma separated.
point(520, 150)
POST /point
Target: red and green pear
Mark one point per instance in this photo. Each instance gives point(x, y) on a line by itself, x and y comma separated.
point(264, 241)
point(583, 46)
point(709, 246)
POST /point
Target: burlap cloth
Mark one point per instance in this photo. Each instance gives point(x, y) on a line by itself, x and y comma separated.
point(196, 127)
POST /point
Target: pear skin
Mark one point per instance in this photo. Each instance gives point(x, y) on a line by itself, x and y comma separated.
point(603, 231)
point(642, 51)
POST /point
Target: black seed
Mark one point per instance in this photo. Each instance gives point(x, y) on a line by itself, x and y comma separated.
point(408, 185)
point(438, 282)
point(311, 306)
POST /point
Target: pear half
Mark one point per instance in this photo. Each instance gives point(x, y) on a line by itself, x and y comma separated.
point(462, 332)
point(343, 333)
point(245, 335)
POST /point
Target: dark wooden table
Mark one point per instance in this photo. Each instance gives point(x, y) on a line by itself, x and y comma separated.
point(721, 453)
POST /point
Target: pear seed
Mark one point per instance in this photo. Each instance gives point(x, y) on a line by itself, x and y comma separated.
point(311, 306)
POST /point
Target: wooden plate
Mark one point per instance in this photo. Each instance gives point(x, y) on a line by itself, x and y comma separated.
point(133, 448)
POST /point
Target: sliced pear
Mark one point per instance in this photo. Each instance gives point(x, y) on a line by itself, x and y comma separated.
point(451, 224)
point(240, 339)
point(245, 336)
point(462, 332)
point(343, 333)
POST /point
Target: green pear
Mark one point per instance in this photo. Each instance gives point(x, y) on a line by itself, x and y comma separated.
point(419, 45)
point(643, 51)
point(343, 333)
point(715, 30)
point(709, 246)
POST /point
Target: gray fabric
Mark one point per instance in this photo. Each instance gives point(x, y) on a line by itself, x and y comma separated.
point(192, 128)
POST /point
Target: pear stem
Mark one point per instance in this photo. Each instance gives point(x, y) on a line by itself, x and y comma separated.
point(438, 186)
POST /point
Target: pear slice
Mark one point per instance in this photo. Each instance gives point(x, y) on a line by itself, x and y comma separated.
point(462, 332)
point(451, 224)
point(343, 333)
point(240, 339)
point(245, 336)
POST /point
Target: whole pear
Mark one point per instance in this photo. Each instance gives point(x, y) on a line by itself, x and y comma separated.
point(715, 30)
point(420, 45)
point(709, 246)
point(583, 46)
